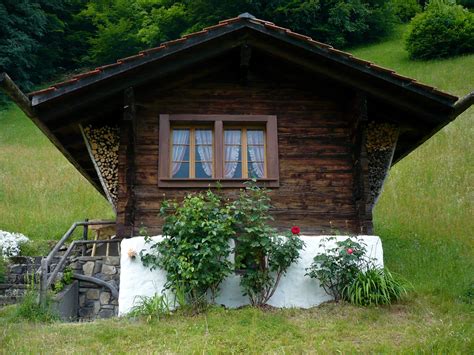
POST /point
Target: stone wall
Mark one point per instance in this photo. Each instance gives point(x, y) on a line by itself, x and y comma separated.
point(97, 301)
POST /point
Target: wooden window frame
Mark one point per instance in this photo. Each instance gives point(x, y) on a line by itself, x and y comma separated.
point(218, 122)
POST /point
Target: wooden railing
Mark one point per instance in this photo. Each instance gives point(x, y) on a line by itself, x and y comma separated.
point(47, 278)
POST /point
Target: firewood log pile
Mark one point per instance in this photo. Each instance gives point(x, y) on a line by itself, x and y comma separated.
point(380, 144)
point(104, 143)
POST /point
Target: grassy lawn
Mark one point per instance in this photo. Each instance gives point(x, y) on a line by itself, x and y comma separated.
point(424, 217)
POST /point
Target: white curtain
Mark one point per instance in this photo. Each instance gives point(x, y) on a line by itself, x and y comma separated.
point(204, 148)
point(180, 144)
point(232, 150)
point(255, 141)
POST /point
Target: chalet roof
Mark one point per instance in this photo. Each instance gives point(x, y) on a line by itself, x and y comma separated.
point(243, 20)
point(57, 109)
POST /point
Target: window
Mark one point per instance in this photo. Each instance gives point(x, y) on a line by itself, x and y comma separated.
point(199, 150)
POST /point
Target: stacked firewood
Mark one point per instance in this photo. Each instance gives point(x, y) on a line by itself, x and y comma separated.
point(380, 144)
point(104, 143)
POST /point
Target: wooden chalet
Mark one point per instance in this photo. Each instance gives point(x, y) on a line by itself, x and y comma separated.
point(242, 99)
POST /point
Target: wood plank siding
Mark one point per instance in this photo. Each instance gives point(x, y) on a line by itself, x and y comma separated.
point(315, 140)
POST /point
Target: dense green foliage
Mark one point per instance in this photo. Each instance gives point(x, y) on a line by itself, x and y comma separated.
point(195, 250)
point(405, 10)
point(40, 39)
point(442, 30)
point(374, 286)
point(262, 256)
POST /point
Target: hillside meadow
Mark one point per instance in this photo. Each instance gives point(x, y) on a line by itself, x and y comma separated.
point(424, 217)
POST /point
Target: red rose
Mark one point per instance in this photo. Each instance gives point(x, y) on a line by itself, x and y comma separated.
point(295, 230)
point(350, 251)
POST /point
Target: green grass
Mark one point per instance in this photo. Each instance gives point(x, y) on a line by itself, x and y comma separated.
point(424, 217)
point(41, 193)
point(327, 329)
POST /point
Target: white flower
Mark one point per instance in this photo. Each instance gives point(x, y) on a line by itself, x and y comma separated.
point(10, 243)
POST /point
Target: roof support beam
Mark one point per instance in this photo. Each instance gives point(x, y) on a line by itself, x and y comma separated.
point(463, 104)
point(14, 92)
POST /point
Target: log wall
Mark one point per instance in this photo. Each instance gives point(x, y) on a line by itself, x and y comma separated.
point(315, 148)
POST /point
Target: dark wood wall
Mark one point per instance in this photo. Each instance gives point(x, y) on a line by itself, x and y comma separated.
point(316, 121)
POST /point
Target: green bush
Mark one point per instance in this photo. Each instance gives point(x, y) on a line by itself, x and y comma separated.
point(405, 10)
point(374, 286)
point(336, 267)
point(443, 30)
point(260, 253)
point(195, 250)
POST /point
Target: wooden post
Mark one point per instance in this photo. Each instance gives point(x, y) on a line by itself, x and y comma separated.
point(84, 237)
point(245, 55)
point(129, 129)
point(361, 164)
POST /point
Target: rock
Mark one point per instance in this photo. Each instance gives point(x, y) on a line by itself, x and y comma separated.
point(105, 298)
point(96, 307)
point(112, 260)
point(106, 313)
point(93, 294)
point(82, 300)
point(109, 270)
point(85, 312)
point(88, 268)
point(97, 267)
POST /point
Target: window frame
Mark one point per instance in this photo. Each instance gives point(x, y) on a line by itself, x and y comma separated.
point(219, 123)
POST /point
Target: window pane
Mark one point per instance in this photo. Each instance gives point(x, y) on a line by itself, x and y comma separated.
point(182, 170)
point(256, 169)
point(232, 136)
point(180, 153)
point(203, 136)
point(203, 170)
point(255, 137)
point(233, 170)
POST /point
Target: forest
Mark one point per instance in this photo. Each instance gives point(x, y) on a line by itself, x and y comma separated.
point(45, 40)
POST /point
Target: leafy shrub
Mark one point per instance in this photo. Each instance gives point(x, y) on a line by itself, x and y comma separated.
point(443, 30)
point(338, 266)
point(374, 286)
point(195, 250)
point(150, 308)
point(264, 255)
point(405, 10)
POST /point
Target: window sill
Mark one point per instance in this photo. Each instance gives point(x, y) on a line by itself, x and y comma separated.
point(203, 183)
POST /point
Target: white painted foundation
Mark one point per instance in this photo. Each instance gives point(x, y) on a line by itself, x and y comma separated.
point(295, 289)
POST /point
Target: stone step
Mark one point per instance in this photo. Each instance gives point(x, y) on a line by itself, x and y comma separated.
point(8, 300)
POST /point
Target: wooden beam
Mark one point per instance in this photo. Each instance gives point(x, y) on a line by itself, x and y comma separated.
point(245, 55)
point(361, 164)
point(129, 130)
point(17, 96)
point(463, 104)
